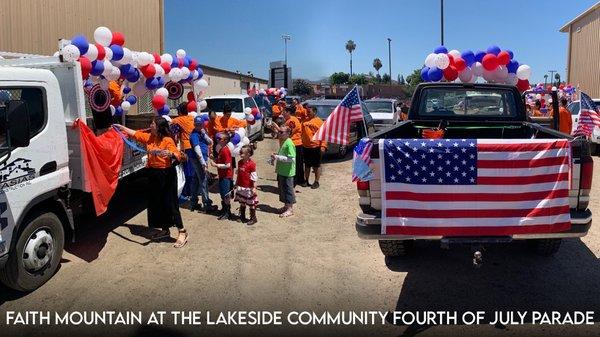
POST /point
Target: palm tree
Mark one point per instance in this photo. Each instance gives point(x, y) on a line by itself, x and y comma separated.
point(377, 65)
point(350, 46)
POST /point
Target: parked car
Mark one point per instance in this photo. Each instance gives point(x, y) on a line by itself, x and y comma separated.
point(383, 111)
point(357, 130)
point(288, 99)
point(595, 139)
point(237, 103)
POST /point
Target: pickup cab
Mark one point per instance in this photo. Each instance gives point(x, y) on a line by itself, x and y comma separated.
point(437, 104)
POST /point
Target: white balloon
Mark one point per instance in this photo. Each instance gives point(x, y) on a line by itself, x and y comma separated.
point(167, 118)
point(538, 96)
point(108, 53)
point(250, 117)
point(477, 69)
point(166, 58)
point(112, 110)
point(107, 68)
point(489, 76)
point(163, 92)
point(466, 75)
point(202, 105)
point(134, 58)
point(160, 72)
point(245, 141)
point(127, 56)
point(185, 72)
point(114, 74)
point(501, 73)
point(429, 60)
point(241, 132)
point(175, 74)
point(70, 53)
point(125, 105)
point(230, 146)
point(144, 58)
point(553, 88)
point(103, 36)
point(523, 72)
point(247, 110)
point(193, 113)
point(512, 79)
point(181, 53)
point(202, 84)
point(195, 74)
point(455, 53)
point(56, 54)
point(92, 53)
point(442, 61)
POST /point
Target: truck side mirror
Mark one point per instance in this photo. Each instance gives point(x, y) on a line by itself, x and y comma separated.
point(17, 123)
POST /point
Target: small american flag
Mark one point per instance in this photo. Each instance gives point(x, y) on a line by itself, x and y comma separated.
point(362, 160)
point(588, 117)
point(470, 187)
point(336, 127)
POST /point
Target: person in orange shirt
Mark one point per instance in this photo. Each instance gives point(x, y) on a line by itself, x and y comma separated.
point(183, 126)
point(312, 150)
point(228, 123)
point(211, 128)
point(163, 155)
point(565, 123)
point(295, 127)
point(300, 112)
point(536, 110)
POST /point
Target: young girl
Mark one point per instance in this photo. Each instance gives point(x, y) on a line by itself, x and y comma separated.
point(225, 172)
point(245, 192)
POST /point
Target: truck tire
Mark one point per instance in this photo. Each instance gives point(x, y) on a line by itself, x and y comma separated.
point(395, 248)
point(545, 247)
point(37, 253)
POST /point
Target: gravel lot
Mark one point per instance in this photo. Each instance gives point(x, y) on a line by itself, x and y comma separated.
point(313, 261)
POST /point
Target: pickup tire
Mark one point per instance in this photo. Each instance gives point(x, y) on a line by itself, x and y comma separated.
point(45, 233)
point(545, 247)
point(395, 248)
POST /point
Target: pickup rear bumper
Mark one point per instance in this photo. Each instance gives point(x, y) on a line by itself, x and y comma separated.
point(369, 227)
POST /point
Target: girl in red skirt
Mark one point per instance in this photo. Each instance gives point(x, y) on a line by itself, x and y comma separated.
point(245, 191)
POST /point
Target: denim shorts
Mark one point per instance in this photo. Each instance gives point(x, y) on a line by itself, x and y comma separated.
point(225, 186)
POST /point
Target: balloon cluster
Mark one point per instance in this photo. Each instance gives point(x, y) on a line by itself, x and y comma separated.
point(493, 65)
point(277, 93)
point(237, 139)
point(108, 60)
point(539, 93)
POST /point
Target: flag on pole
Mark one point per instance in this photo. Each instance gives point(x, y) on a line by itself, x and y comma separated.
point(361, 161)
point(336, 128)
point(589, 116)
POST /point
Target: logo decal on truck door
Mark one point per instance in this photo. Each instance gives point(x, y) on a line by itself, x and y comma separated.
point(16, 172)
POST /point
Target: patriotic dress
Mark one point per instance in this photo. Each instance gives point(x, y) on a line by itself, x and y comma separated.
point(246, 177)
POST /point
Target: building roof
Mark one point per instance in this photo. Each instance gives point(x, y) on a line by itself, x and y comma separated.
point(233, 74)
point(565, 28)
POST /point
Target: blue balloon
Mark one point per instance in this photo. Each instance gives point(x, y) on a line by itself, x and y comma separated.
point(493, 50)
point(175, 63)
point(131, 99)
point(133, 77)
point(200, 73)
point(118, 111)
point(161, 82)
point(440, 50)
point(479, 56)
point(126, 90)
point(258, 117)
point(189, 78)
point(434, 74)
point(151, 83)
point(117, 52)
point(88, 83)
point(510, 53)
point(424, 75)
point(81, 43)
point(186, 61)
point(125, 69)
point(164, 110)
point(468, 56)
point(97, 68)
point(512, 66)
point(236, 139)
point(204, 118)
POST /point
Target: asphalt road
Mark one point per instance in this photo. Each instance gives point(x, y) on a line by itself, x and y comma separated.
point(312, 261)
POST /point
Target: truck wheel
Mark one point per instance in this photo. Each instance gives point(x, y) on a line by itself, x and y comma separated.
point(546, 247)
point(36, 255)
point(395, 248)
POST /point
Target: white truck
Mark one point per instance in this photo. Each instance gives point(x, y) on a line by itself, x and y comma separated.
point(43, 182)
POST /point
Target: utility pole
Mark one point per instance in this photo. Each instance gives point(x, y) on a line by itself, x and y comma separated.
point(285, 38)
point(390, 57)
point(442, 20)
point(552, 75)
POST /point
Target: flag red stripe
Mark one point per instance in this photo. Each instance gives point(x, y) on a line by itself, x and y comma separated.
point(542, 178)
point(477, 196)
point(522, 163)
point(476, 213)
point(478, 231)
point(521, 147)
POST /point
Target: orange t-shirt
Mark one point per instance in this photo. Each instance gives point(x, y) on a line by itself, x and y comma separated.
point(537, 113)
point(565, 123)
point(301, 112)
point(154, 144)
point(187, 126)
point(115, 93)
point(228, 124)
point(276, 110)
point(309, 129)
point(295, 130)
point(211, 128)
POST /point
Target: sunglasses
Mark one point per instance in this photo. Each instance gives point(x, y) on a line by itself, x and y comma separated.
point(281, 132)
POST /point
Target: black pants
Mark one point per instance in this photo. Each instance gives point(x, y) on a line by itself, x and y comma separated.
point(299, 177)
point(163, 202)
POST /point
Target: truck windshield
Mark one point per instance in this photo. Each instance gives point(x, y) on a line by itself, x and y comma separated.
point(380, 107)
point(444, 102)
point(217, 104)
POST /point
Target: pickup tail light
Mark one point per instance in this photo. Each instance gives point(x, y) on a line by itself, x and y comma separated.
point(363, 191)
point(362, 185)
point(585, 185)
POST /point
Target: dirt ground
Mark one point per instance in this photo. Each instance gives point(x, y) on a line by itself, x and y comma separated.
point(313, 261)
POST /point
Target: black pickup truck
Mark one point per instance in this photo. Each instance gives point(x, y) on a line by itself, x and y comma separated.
point(473, 111)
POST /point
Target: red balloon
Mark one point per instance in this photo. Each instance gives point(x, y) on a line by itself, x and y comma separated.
point(193, 65)
point(549, 88)
point(191, 96)
point(451, 58)
point(191, 106)
point(254, 111)
point(156, 58)
point(490, 62)
point(205, 124)
point(166, 66)
point(503, 58)
point(158, 101)
point(460, 64)
point(522, 85)
point(562, 86)
point(101, 52)
point(180, 63)
point(86, 67)
point(148, 71)
point(251, 122)
point(450, 73)
point(118, 38)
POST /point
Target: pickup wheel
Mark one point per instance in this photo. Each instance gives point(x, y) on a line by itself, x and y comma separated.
point(37, 253)
point(395, 248)
point(545, 247)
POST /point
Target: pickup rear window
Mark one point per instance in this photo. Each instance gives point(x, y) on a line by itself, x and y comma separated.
point(217, 104)
point(445, 102)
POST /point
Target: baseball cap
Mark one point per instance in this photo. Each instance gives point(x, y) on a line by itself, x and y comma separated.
point(198, 120)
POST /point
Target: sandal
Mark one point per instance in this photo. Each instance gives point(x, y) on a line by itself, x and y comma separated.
point(164, 233)
point(286, 214)
point(181, 243)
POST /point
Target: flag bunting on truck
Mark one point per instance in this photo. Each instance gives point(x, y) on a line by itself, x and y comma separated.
point(589, 116)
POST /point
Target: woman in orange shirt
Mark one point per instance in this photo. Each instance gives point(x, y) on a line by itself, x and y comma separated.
point(312, 149)
point(163, 202)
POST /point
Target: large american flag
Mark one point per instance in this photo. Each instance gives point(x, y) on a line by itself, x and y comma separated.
point(589, 116)
point(336, 127)
point(475, 187)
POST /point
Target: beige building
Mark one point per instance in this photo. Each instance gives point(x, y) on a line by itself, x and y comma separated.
point(583, 54)
point(228, 82)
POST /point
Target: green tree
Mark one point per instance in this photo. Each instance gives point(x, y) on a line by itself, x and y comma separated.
point(350, 46)
point(413, 80)
point(302, 87)
point(377, 65)
point(385, 78)
point(339, 78)
point(358, 79)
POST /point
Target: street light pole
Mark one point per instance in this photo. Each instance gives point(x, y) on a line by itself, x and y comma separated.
point(442, 20)
point(390, 57)
point(285, 38)
point(552, 75)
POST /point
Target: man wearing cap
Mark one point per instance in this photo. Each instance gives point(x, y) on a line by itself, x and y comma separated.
point(200, 143)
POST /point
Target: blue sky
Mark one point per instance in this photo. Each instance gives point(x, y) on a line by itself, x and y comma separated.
point(246, 35)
